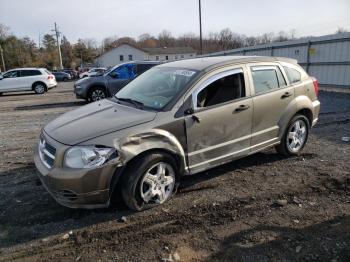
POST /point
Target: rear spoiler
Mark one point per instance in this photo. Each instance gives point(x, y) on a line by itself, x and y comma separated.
point(286, 59)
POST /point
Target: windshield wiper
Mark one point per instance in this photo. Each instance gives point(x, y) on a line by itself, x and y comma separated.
point(136, 103)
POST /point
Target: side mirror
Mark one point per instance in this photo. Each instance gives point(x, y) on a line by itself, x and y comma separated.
point(114, 75)
point(189, 111)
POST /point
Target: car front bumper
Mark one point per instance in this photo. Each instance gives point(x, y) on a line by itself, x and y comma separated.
point(75, 188)
point(80, 92)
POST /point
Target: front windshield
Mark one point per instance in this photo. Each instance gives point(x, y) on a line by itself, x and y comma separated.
point(156, 87)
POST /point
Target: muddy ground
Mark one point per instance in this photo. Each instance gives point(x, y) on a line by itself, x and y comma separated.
point(226, 214)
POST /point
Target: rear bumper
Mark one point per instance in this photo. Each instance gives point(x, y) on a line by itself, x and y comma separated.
point(316, 105)
point(51, 84)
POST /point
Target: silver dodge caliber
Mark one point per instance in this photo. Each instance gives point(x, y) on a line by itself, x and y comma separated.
point(176, 119)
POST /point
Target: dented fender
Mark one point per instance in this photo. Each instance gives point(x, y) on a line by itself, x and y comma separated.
point(133, 145)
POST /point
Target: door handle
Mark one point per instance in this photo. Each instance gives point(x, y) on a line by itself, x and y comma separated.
point(286, 94)
point(196, 118)
point(242, 108)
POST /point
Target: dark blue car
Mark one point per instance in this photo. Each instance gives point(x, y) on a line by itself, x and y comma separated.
point(62, 76)
point(106, 85)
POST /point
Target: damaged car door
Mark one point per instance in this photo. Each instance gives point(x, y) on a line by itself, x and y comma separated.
point(219, 125)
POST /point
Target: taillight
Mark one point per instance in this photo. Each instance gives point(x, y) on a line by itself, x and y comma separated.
point(50, 77)
point(315, 82)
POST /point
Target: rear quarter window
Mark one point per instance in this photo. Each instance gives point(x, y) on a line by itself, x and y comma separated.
point(293, 75)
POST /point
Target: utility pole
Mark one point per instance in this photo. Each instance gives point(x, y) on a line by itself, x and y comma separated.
point(2, 59)
point(200, 27)
point(57, 33)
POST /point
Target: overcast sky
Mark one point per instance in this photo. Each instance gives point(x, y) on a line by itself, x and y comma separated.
point(99, 19)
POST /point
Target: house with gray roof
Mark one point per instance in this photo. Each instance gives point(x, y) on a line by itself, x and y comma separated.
point(128, 52)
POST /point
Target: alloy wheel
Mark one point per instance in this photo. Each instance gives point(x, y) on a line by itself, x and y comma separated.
point(97, 95)
point(158, 183)
point(39, 89)
point(297, 136)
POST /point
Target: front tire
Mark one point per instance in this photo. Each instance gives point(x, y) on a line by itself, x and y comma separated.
point(149, 181)
point(295, 136)
point(39, 88)
point(96, 94)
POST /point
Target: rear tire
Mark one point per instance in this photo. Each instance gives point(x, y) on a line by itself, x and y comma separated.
point(96, 94)
point(65, 79)
point(39, 88)
point(295, 136)
point(149, 181)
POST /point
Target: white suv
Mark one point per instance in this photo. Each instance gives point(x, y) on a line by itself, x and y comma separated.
point(38, 80)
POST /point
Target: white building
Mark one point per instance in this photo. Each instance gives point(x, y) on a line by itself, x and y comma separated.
point(128, 52)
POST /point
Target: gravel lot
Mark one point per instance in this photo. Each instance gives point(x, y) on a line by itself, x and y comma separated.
point(260, 208)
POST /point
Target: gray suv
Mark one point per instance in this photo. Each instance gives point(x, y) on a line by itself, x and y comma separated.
point(176, 119)
point(107, 84)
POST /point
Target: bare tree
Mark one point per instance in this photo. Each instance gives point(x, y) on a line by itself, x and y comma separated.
point(146, 40)
point(165, 39)
point(4, 32)
point(341, 30)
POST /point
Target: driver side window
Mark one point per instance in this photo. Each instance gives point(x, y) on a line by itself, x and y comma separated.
point(125, 71)
point(224, 89)
point(11, 74)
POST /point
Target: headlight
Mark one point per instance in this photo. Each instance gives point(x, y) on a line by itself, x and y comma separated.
point(87, 157)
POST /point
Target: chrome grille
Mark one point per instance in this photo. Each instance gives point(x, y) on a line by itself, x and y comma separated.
point(47, 153)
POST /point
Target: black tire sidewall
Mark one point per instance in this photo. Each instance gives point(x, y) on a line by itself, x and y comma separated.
point(134, 174)
point(39, 93)
point(96, 88)
point(285, 137)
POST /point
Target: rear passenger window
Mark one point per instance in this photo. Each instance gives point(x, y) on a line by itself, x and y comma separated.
point(141, 68)
point(267, 78)
point(25, 73)
point(225, 89)
point(293, 75)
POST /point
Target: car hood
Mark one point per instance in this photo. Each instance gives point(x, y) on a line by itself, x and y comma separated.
point(96, 119)
point(89, 79)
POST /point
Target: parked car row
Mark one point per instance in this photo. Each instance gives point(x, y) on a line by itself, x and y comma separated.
point(93, 72)
point(175, 119)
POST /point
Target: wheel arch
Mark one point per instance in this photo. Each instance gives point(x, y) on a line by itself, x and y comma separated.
point(94, 86)
point(134, 147)
point(300, 105)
